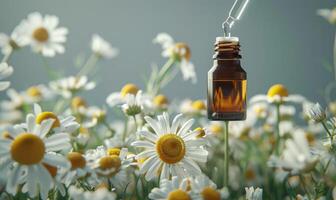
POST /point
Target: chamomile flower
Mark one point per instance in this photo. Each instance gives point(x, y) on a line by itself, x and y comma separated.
point(37, 93)
point(178, 51)
point(69, 86)
point(316, 113)
point(171, 190)
point(134, 104)
point(297, 156)
point(202, 188)
point(253, 194)
point(118, 98)
point(15, 102)
point(12, 42)
point(27, 151)
point(78, 169)
point(5, 71)
point(109, 168)
point(65, 125)
point(43, 35)
point(99, 194)
point(160, 102)
point(328, 14)
point(277, 93)
point(93, 114)
point(189, 107)
point(102, 48)
point(171, 150)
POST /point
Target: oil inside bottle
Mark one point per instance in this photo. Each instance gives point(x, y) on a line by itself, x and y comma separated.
point(227, 83)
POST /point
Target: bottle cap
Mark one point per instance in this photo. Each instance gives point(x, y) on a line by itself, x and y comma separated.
point(227, 39)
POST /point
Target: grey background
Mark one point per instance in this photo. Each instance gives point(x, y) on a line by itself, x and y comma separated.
point(283, 41)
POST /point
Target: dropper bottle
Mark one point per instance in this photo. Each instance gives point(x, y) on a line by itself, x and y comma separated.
point(227, 80)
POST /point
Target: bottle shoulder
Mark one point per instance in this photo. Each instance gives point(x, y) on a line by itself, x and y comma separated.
point(227, 72)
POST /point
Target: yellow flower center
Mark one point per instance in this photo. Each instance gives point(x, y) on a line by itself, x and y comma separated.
point(250, 174)
point(183, 50)
point(27, 149)
point(216, 128)
point(6, 135)
point(77, 102)
point(77, 160)
point(34, 92)
point(48, 115)
point(178, 194)
point(51, 169)
point(110, 162)
point(198, 105)
point(113, 151)
point(160, 100)
point(41, 34)
point(129, 89)
point(209, 193)
point(310, 137)
point(201, 132)
point(171, 148)
point(332, 107)
point(277, 89)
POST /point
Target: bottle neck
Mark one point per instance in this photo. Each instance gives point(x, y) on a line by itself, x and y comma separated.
point(226, 51)
point(227, 62)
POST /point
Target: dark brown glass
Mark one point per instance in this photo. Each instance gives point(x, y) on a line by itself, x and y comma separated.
point(227, 83)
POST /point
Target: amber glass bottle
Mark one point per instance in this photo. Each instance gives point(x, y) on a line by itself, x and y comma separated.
point(227, 82)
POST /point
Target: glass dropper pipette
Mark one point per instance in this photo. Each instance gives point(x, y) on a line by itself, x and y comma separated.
point(235, 13)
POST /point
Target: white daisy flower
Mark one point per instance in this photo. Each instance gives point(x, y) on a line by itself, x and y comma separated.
point(99, 194)
point(26, 153)
point(67, 87)
point(64, 125)
point(5, 71)
point(171, 189)
point(189, 107)
point(171, 150)
point(179, 51)
point(38, 93)
point(15, 102)
point(278, 93)
point(43, 35)
point(94, 115)
point(12, 42)
point(79, 168)
point(202, 188)
point(109, 166)
point(160, 102)
point(253, 194)
point(118, 98)
point(297, 156)
point(102, 48)
point(316, 113)
point(329, 15)
point(134, 104)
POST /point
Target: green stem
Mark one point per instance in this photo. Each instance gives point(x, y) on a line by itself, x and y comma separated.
point(304, 186)
point(108, 127)
point(277, 142)
point(162, 73)
point(125, 129)
point(328, 132)
point(90, 63)
point(226, 154)
point(135, 121)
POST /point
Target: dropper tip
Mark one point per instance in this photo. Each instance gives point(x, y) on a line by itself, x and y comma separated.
point(227, 39)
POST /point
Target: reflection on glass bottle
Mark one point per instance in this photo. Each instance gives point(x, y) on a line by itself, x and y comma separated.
point(227, 82)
